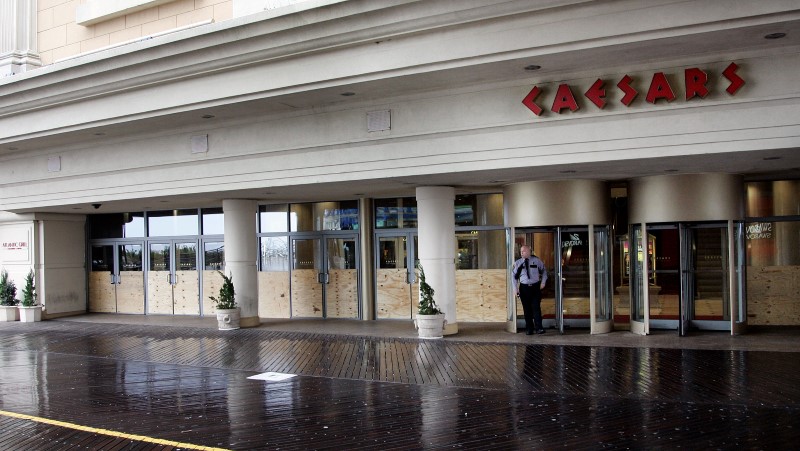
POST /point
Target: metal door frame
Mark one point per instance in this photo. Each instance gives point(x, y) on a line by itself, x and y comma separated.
point(411, 275)
point(115, 244)
point(172, 241)
point(323, 271)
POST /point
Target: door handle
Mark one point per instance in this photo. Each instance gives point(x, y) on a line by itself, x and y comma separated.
point(323, 278)
point(410, 278)
point(113, 278)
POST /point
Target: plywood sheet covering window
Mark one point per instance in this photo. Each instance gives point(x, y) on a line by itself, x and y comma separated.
point(393, 296)
point(306, 294)
point(186, 293)
point(273, 294)
point(481, 295)
point(773, 295)
point(102, 297)
point(130, 292)
point(159, 292)
point(341, 295)
point(212, 281)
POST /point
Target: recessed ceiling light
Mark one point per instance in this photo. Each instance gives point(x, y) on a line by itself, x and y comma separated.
point(775, 36)
point(670, 170)
point(532, 67)
point(347, 94)
point(13, 148)
point(207, 116)
point(568, 171)
point(771, 158)
point(358, 194)
point(99, 134)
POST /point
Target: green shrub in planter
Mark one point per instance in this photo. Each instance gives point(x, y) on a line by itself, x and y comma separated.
point(8, 291)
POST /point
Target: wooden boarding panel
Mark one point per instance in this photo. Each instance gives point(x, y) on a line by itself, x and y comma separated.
point(481, 295)
point(212, 281)
point(273, 294)
point(341, 295)
point(130, 292)
point(773, 295)
point(306, 294)
point(159, 293)
point(102, 293)
point(393, 296)
point(186, 293)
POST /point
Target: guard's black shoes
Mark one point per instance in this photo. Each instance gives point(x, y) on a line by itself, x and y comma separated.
point(528, 332)
point(540, 331)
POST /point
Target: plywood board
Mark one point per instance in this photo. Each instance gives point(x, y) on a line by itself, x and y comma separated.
point(393, 294)
point(481, 295)
point(130, 292)
point(773, 295)
point(273, 294)
point(212, 281)
point(102, 294)
point(159, 293)
point(306, 294)
point(186, 293)
point(341, 295)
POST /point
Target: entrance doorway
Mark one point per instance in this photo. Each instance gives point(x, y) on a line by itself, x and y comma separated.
point(687, 271)
point(578, 291)
point(173, 281)
point(324, 276)
point(116, 280)
point(397, 287)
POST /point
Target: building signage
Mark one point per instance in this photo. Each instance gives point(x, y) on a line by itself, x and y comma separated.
point(759, 231)
point(574, 240)
point(695, 83)
point(14, 245)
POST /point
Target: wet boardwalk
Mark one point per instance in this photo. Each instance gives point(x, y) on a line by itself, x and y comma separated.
point(72, 385)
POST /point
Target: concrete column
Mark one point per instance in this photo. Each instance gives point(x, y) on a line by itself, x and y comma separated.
point(241, 247)
point(437, 247)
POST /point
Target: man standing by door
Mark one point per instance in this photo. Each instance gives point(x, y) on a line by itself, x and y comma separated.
point(528, 277)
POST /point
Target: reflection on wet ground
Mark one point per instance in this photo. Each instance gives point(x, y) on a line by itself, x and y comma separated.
point(189, 386)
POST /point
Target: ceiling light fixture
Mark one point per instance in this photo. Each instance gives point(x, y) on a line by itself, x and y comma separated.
point(775, 36)
point(670, 170)
point(532, 67)
point(771, 158)
point(99, 134)
point(207, 116)
point(347, 94)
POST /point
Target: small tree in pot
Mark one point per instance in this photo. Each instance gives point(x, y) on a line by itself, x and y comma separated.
point(30, 311)
point(430, 319)
point(225, 303)
point(8, 301)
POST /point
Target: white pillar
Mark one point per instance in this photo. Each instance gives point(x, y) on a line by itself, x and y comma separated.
point(18, 36)
point(437, 247)
point(241, 248)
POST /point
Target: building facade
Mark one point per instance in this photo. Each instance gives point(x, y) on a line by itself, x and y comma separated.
point(319, 150)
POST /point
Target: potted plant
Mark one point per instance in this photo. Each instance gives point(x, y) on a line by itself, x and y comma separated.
point(29, 310)
point(8, 301)
point(430, 319)
point(225, 304)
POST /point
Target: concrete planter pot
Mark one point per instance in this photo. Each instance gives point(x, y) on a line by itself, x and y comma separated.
point(30, 314)
point(430, 326)
point(9, 313)
point(228, 319)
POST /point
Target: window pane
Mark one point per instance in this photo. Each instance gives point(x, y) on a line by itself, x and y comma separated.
point(117, 225)
point(214, 256)
point(273, 218)
point(324, 216)
point(396, 213)
point(485, 249)
point(213, 221)
point(777, 198)
point(274, 253)
point(172, 222)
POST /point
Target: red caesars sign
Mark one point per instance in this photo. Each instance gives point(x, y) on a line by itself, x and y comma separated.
point(695, 83)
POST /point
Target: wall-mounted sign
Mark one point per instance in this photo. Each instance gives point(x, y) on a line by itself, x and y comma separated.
point(695, 85)
point(14, 245)
point(759, 231)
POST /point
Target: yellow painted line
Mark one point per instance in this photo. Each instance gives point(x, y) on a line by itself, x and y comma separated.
point(140, 438)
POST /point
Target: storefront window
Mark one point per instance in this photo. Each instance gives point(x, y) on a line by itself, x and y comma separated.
point(172, 223)
point(214, 256)
point(274, 253)
point(479, 210)
point(117, 225)
point(481, 249)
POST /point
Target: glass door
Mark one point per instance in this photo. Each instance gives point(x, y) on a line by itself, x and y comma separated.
point(173, 284)
point(639, 268)
point(397, 290)
point(601, 314)
point(116, 283)
point(705, 301)
point(324, 279)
